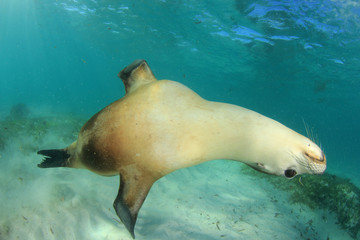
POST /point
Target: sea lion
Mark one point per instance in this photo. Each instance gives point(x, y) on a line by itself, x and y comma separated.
point(161, 126)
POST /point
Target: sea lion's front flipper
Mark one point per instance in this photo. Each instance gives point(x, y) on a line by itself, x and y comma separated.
point(131, 195)
point(136, 74)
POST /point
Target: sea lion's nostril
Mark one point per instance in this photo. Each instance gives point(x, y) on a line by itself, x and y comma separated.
point(323, 158)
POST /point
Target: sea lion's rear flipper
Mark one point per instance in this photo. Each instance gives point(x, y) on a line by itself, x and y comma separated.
point(131, 195)
point(136, 74)
point(53, 158)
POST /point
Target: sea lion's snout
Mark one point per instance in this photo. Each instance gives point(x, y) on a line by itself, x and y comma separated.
point(323, 158)
point(315, 158)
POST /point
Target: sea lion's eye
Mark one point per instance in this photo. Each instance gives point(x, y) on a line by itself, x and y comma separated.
point(290, 173)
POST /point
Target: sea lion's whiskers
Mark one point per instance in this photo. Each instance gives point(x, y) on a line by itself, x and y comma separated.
point(310, 133)
point(306, 128)
point(293, 155)
point(298, 159)
point(300, 181)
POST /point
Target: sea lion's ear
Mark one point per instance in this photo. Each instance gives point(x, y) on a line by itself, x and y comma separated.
point(136, 74)
point(132, 193)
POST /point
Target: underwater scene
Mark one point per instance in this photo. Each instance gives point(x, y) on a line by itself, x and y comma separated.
point(295, 62)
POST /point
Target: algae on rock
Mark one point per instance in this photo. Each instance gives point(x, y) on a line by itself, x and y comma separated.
point(327, 191)
point(30, 131)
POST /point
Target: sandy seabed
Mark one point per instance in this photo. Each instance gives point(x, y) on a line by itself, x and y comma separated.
point(214, 200)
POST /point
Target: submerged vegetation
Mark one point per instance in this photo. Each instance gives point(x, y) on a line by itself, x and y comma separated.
point(30, 131)
point(327, 191)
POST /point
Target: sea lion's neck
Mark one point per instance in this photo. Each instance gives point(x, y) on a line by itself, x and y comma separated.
point(236, 133)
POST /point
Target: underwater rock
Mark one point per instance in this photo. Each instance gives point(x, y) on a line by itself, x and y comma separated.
point(327, 191)
point(19, 111)
point(2, 143)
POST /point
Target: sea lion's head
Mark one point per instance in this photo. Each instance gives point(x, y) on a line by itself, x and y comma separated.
point(305, 158)
point(309, 157)
point(289, 154)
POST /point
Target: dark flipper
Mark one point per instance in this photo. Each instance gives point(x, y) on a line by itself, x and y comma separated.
point(131, 195)
point(136, 74)
point(53, 158)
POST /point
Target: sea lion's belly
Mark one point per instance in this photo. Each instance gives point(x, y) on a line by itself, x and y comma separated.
point(157, 134)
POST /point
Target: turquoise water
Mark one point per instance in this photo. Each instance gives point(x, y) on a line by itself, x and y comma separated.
point(293, 61)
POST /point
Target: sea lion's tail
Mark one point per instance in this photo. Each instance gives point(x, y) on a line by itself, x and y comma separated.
point(54, 158)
